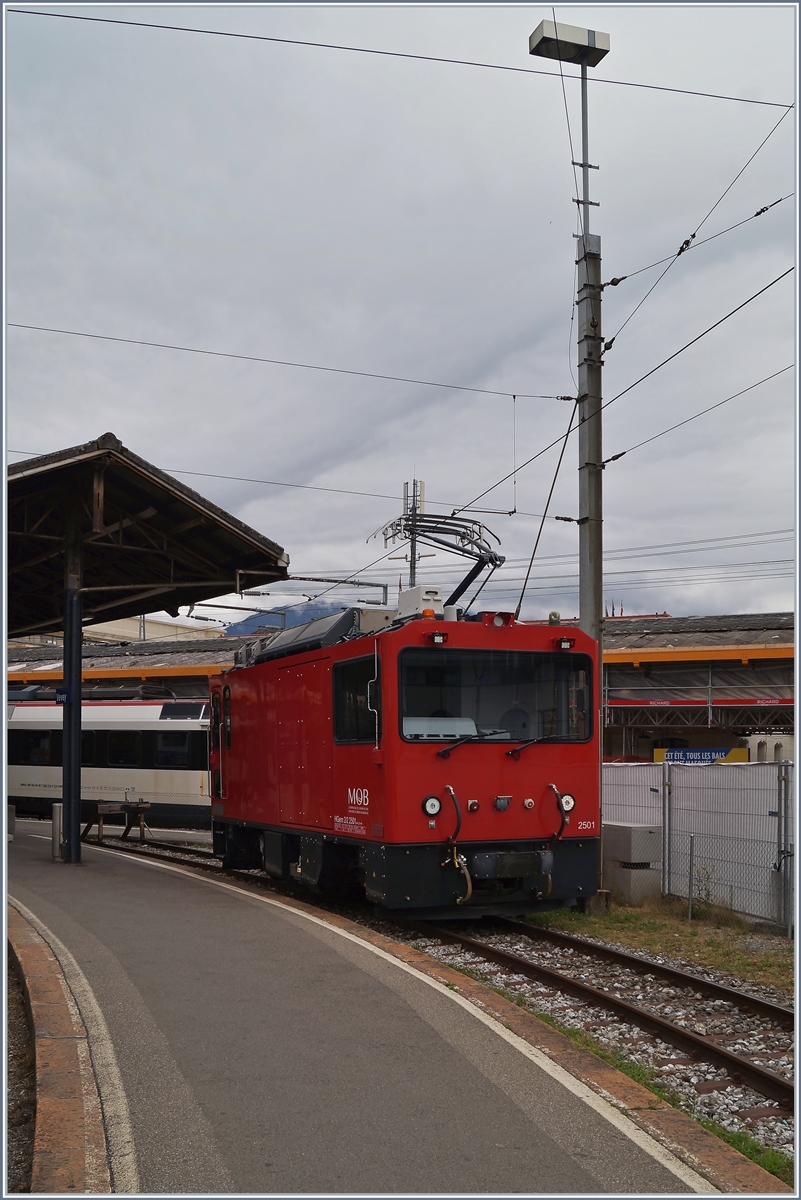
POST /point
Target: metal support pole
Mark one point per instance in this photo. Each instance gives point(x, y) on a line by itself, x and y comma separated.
point(71, 737)
point(590, 343)
point(589, 433)
point(690, 885)
point(413, 538)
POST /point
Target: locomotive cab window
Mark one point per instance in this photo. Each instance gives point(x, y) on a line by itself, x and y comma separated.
point(493, 695)
point(357, 701)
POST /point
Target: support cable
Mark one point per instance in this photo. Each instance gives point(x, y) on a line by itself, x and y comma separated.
point(760, 212)
point(687, 243)
point(279, 362)
point(547, 504)
point(702, 413)
point(633, 385)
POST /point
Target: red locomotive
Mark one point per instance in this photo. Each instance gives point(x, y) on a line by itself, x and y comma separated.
point(442, 767)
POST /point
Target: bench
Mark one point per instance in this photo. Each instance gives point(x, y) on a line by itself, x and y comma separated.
point(134, 814)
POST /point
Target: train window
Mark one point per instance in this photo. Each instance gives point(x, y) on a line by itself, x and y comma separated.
point(182, 711)
point(353, 719)
point(30, 748)
point(172, 749)
point(215, 720)
point(227, 717)
point(495, 695)
point(88, 748)
point(125, 748)
point(198, 750)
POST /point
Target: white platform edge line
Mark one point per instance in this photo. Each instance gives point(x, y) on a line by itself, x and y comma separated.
point(605, 1109)
point(116, 1115)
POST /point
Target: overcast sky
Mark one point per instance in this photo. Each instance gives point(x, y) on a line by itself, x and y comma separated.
point(413, 218)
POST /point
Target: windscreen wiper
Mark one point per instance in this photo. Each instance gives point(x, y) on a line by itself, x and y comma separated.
point(445, 752)
point(550, 737)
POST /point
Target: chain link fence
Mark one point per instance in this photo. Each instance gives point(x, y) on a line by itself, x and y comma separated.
point(727, 831)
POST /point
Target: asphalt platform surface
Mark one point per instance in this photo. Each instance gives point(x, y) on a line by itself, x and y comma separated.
point(261, 1051)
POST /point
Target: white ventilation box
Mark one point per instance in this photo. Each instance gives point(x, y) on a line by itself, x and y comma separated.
point(632, 843)
point(632, 858)
point(412, 602)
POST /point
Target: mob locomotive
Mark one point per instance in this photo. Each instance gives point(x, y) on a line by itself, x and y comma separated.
point(441, 766)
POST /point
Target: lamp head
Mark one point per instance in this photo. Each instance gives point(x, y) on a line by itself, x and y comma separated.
point(568, 43)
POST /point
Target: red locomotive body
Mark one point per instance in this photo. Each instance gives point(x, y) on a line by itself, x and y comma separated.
point(448, 768)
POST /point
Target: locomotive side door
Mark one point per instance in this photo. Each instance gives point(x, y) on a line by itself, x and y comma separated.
point(305, 789)
point(215, 746)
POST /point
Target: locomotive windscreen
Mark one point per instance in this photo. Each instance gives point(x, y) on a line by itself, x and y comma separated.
point(495, 695)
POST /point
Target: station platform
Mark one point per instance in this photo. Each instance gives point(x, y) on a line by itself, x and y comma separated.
point(262, 1049)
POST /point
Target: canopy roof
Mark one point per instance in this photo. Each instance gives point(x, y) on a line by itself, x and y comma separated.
point(148, 542)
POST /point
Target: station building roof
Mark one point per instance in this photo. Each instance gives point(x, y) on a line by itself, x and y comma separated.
point(148, 542)
point(122, 671)
point(740, 637)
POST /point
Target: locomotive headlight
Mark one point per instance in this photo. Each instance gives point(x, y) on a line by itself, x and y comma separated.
point(432, 805)
point(567, 803)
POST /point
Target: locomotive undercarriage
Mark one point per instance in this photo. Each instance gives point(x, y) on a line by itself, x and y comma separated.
point(436, 880)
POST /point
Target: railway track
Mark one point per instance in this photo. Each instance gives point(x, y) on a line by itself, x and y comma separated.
point(783, 1017)
point(700, 1047)
point(631, 970)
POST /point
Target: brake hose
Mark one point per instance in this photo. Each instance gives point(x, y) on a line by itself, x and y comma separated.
point(458, 860)
point(454, 836)
point(555, 837)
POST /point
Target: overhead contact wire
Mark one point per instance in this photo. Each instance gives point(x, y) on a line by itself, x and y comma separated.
point(459, 62)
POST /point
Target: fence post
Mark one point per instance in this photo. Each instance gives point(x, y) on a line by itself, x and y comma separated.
point(786, 855)
point(690, 883)
point(663, 880)
point(667, 832)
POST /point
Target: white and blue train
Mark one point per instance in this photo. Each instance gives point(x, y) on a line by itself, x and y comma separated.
point(151, 750)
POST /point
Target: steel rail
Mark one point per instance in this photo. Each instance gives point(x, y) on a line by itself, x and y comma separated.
point(717, 991)
point(766, 1082)
point(174, 846)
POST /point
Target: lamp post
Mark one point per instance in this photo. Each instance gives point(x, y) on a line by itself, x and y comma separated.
point(586, 47)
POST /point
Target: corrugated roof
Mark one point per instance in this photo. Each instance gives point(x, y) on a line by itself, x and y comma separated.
point(144, 656)
point(750, 629)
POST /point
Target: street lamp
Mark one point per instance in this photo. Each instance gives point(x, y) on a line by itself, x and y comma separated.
point(586, 47)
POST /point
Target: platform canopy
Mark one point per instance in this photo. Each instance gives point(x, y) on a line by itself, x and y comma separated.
point(144, 541)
